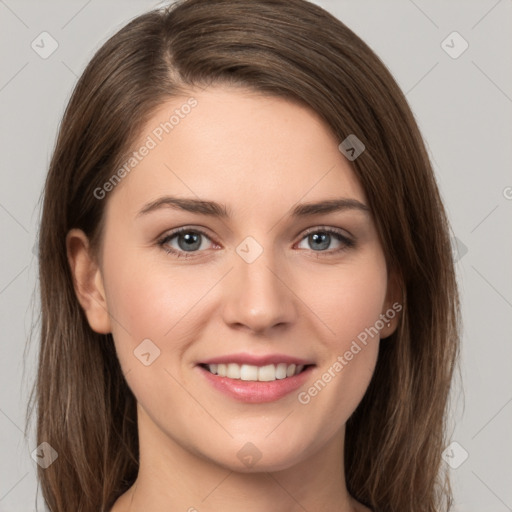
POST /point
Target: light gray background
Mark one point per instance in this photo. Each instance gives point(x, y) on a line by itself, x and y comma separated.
point(463, 107)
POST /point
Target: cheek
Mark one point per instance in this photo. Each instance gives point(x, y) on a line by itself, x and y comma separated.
point(349, 306)
point(147, 296)
point(348, 300)
point(155, 302)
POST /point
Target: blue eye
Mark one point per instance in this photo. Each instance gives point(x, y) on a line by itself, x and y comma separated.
point(321, 238)
point(190, 241)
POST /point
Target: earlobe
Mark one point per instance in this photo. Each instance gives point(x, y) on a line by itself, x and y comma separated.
point(390, 324)
point(393, 306)
point(87, 281)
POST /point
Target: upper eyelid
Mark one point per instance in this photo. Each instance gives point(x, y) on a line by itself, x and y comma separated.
point(326, 228)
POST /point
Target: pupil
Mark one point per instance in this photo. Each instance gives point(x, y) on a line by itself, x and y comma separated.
point(191, 241)
point(323, 238)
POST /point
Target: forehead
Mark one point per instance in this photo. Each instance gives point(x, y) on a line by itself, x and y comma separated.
point(249, 150)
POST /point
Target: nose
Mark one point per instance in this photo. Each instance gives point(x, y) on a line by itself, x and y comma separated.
point(258, 295)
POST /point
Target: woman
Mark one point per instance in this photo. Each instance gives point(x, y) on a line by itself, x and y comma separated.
point(248, 294)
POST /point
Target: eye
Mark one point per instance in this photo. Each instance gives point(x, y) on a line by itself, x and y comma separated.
point(320, 239)
point(184, 240)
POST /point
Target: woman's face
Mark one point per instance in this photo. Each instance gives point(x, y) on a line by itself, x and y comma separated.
point(259, 281)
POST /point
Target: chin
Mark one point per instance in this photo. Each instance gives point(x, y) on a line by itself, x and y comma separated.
point(259, 454)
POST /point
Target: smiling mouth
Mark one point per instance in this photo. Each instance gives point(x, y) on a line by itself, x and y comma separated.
point(248, 372)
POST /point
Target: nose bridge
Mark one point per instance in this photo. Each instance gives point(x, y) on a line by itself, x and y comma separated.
point(258, 297)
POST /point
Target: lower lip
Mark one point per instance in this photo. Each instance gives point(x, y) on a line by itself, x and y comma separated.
point(255, 391)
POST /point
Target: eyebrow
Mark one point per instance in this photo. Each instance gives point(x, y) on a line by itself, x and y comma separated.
point(214, 209)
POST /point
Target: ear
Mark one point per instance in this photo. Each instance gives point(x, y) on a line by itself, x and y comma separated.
point(87, 281)
point(392, 305)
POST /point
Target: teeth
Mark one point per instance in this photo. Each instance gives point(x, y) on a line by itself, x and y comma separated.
point(233, 371)
point(247, 372)
point(281, 371)
point(266, 373)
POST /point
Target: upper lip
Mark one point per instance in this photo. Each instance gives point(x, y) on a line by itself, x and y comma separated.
point(256, 360)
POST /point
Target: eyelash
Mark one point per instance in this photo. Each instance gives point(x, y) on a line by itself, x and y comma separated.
point(347, 242)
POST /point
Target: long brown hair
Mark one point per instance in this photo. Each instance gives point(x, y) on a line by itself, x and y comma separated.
point(295, 50)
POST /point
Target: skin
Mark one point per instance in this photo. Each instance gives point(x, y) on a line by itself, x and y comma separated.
point(259, 156)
